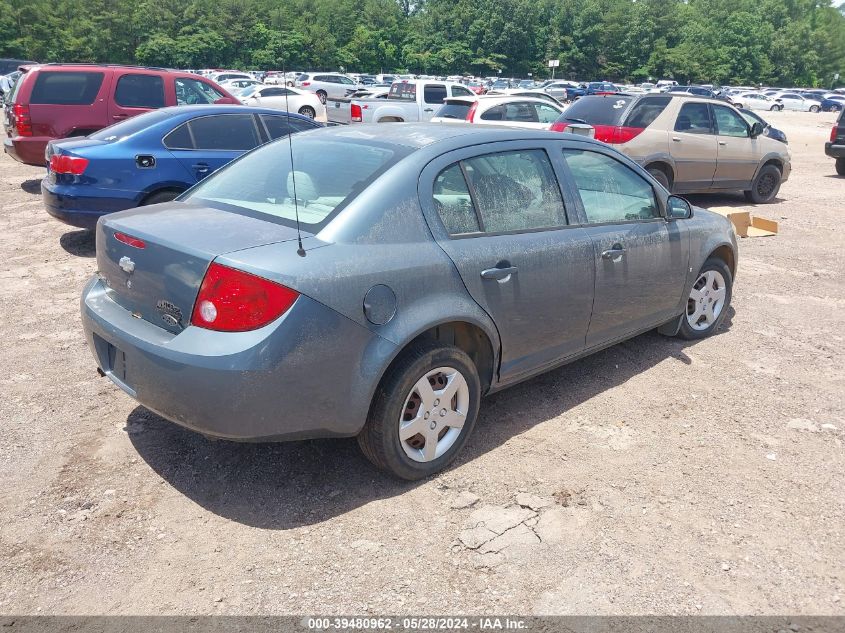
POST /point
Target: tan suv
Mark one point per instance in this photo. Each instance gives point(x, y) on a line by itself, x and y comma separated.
point(689, 144)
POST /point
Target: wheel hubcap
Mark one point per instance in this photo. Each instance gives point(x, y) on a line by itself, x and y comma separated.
point(766, 185)
point(706, 300)
point(434, 414)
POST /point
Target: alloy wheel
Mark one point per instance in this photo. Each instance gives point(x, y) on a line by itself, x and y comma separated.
point(434, 414)
point(706, 300)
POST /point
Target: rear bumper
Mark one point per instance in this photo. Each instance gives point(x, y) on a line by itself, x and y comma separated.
point(834, 150)
point(26, 150)
point(300, 377)
point(81, 211)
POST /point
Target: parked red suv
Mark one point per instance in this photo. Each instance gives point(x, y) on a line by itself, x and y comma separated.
point(59, 100)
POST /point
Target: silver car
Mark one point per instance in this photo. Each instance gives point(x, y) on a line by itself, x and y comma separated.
point(327, 85)
point(430, 265)
point(794, 101)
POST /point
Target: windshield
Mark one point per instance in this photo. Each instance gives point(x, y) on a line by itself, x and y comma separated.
point(327, 175)
point(248, 90)
point(130, 126)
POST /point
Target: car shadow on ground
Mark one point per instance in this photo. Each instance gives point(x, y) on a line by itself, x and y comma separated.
point(288, 485)
point(32, 186)
point(80, 243)
point(706, 200)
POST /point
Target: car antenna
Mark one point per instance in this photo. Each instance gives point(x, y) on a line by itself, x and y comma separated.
point(299, 251)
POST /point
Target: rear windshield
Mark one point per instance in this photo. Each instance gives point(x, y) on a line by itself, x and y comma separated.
point(66, 88)
point(327, 175)
point(130, 126)
point(454, 111)
point(597, 110)
point(402, 90)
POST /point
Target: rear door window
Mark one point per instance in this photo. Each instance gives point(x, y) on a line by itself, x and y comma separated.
point(281, 125)
point(233, 132)
point(515, 191)
point(460, 91)
point(66, 88)
point(694, 118)
point(193, 91)
point(139, 91)
point(434, 93)
point(546, 113)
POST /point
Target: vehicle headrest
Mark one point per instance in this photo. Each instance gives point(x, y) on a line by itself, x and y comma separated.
point(305, 190)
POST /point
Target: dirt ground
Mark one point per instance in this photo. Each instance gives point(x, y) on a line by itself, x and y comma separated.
point(657, 477)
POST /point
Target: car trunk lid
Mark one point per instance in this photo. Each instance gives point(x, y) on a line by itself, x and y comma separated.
point(153, 260)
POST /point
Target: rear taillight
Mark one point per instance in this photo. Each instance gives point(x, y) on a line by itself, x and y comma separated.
point(833, 133)
point(616, 134)
point(356, 114)
point(305, 83)
point(134, 242)
point(23, 122)
point(558, 126)
point(64, 164)
point(471, 113)
point(231, 300)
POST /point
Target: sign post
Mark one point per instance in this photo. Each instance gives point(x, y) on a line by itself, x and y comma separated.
point(554, 63)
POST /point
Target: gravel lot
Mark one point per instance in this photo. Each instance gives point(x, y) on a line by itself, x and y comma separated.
point(655, 477)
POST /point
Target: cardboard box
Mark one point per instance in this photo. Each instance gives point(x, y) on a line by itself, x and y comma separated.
point(747, 225)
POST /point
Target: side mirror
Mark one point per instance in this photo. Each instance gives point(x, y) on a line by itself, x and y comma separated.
point(678, 209)
point(757, 129)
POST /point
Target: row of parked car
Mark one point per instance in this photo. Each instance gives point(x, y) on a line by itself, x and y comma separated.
point(687, 143)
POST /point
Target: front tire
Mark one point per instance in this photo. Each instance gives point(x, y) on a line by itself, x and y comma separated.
point(765, 186)
point(814, 109)
point(423, 411)
point(708, 301)
point(840, 166)
point(323, 96)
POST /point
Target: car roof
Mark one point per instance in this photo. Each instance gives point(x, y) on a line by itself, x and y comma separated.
point(189, 111)
point(420, 135)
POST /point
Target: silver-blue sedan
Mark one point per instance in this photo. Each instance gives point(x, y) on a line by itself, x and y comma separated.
point(437, 264)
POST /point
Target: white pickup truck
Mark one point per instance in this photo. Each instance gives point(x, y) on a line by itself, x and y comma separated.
point(407, 101)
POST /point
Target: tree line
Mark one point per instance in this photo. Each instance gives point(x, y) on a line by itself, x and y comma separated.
point(773, 42)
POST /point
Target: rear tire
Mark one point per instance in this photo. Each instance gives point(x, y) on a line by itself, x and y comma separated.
point(840, 166)
point(765, 186)
point(159, 197)
point(814, 109)
point(403, 403)
point(307, 111)
point(660, 176)
point(708, 302)
point(774, 108)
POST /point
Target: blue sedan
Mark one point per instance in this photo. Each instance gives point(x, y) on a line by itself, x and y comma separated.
point(153, 157)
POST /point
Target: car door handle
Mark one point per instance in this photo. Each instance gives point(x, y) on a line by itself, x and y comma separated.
point(429, 110)
point(118, 117)
point(614, 253)
point(676, 139)
point(499, 273)
point(201, 168)
point(723, 143)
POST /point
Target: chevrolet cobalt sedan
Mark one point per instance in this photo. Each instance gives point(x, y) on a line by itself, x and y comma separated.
point(437, 264)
